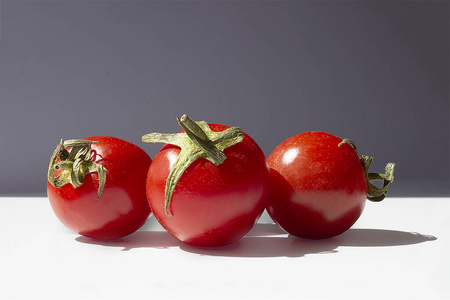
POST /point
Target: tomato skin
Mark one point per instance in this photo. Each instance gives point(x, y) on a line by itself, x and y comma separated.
point(122, 208)
point(317, 189)
point(211, 205)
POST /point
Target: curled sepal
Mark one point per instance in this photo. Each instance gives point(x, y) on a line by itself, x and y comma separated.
point(74, 165)
point(198, 141)
point(374, 193)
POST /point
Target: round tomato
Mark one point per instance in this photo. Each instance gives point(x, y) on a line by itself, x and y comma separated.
point(96, 186)
point(214, 201)
point(319, 184)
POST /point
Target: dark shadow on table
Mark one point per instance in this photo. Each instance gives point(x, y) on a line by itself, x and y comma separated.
point(268, 240)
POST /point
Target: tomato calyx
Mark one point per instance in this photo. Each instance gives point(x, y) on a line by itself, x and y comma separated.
point(198, 141)
point(74, 165)
point(374, 193)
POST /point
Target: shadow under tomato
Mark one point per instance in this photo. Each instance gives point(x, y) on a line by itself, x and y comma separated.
point(291, 246)
point(148, 237)
point(268, 240)
point(138, 239)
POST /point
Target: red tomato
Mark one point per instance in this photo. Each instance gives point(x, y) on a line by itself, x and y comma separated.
point(318, 187)
point(122, 207)
point(211, 205)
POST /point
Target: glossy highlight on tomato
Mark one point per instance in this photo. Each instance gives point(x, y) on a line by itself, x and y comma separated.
point(211, 205)
point(122, 207)
point(318, 185)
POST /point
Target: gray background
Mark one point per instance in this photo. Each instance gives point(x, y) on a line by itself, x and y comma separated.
point(377, 72)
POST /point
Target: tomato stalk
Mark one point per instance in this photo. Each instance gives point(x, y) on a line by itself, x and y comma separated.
point(198, 141)
point(74, 165)
point(374, 193)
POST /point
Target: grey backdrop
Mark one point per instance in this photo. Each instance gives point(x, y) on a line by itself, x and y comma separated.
point(377, 72)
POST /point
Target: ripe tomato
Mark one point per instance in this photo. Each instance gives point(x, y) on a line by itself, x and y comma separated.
point(211, 205)
point(319, 185)
point(102, 212)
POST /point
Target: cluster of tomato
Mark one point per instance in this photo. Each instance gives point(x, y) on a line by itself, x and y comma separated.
point(210, 183)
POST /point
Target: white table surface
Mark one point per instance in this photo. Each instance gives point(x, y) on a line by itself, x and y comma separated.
point(398, 248)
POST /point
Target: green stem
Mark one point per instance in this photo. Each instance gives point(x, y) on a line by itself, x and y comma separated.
point(198, 141)
point(74, 165)
point(374, 194)
point(201, 140)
